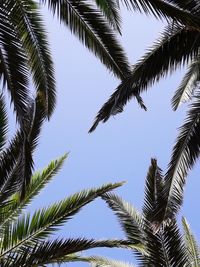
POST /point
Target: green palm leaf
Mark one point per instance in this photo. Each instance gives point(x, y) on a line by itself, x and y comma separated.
point(14, 71)
point(175, 246)
point(110, 9)
point(29, 26)
point(131, 221)
point(38, 181)
point(27, 231)
point(57, 251)
point(188, 84)
point(162, 9)
point(176, 47)
point(162, 246)
point(154, 200)
point(166, 248)
point(16, 164)
point(88, 24)
point(185, 153)
point(191, 245)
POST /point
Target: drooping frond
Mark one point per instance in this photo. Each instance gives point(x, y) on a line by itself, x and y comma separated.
point(110, 9)
point(177, 46)
point(16, 165)
point(14, 71)
point(9, 156)
point(131, 221)
point(191, 245)
point(90, 26)
point(29, 27)
point(188, 84)
point(189, 5)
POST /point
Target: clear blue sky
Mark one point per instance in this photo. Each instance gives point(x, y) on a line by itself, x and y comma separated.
point(118, 150)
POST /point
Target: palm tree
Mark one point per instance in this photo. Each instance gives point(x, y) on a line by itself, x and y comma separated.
point(25, 53)
point(161, 243)
point(178, 45)
point(24, 238)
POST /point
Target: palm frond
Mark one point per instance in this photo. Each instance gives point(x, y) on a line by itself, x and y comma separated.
point(164, 10)
point(130, 220)
point(14, 71)
point(3, 123)
point(153, 192)
point(176, 46)
point(110, 9)
point(29, 26)
point(184, 155)
point(166, 248)
point(17, 159)
point(90, 26)
point(30, 230)
point(104, 262)
point(189, 5)
point(57, 251)
point(38, 181)
point(191, 245)
point(175, 246)
point(188, 84)
point(8, 157)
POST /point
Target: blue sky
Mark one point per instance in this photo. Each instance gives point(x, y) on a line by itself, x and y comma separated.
point(119, 150)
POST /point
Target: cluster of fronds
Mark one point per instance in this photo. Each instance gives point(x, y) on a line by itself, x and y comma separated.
point(155, 242)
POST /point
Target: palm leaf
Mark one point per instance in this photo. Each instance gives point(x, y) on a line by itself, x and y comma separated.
point(191, 244)
point(88, 24)
point(166, 248)
point(104, 262)
point(185, 153)
point(28, 231)
point(14, 71)
point(175, 246)
point(153, 193)
point(188, 84)
point(162, 9)
point(57, 251)
point(110, 9)
point(29, 26)
point(38, 181)
point(189, 5)
point(16, 167)
point(176, 47)
point(131, 221)
point(3, 123)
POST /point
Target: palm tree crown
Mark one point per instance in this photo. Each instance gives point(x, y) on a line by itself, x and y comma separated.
point(155, 242)
point(177, 46)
